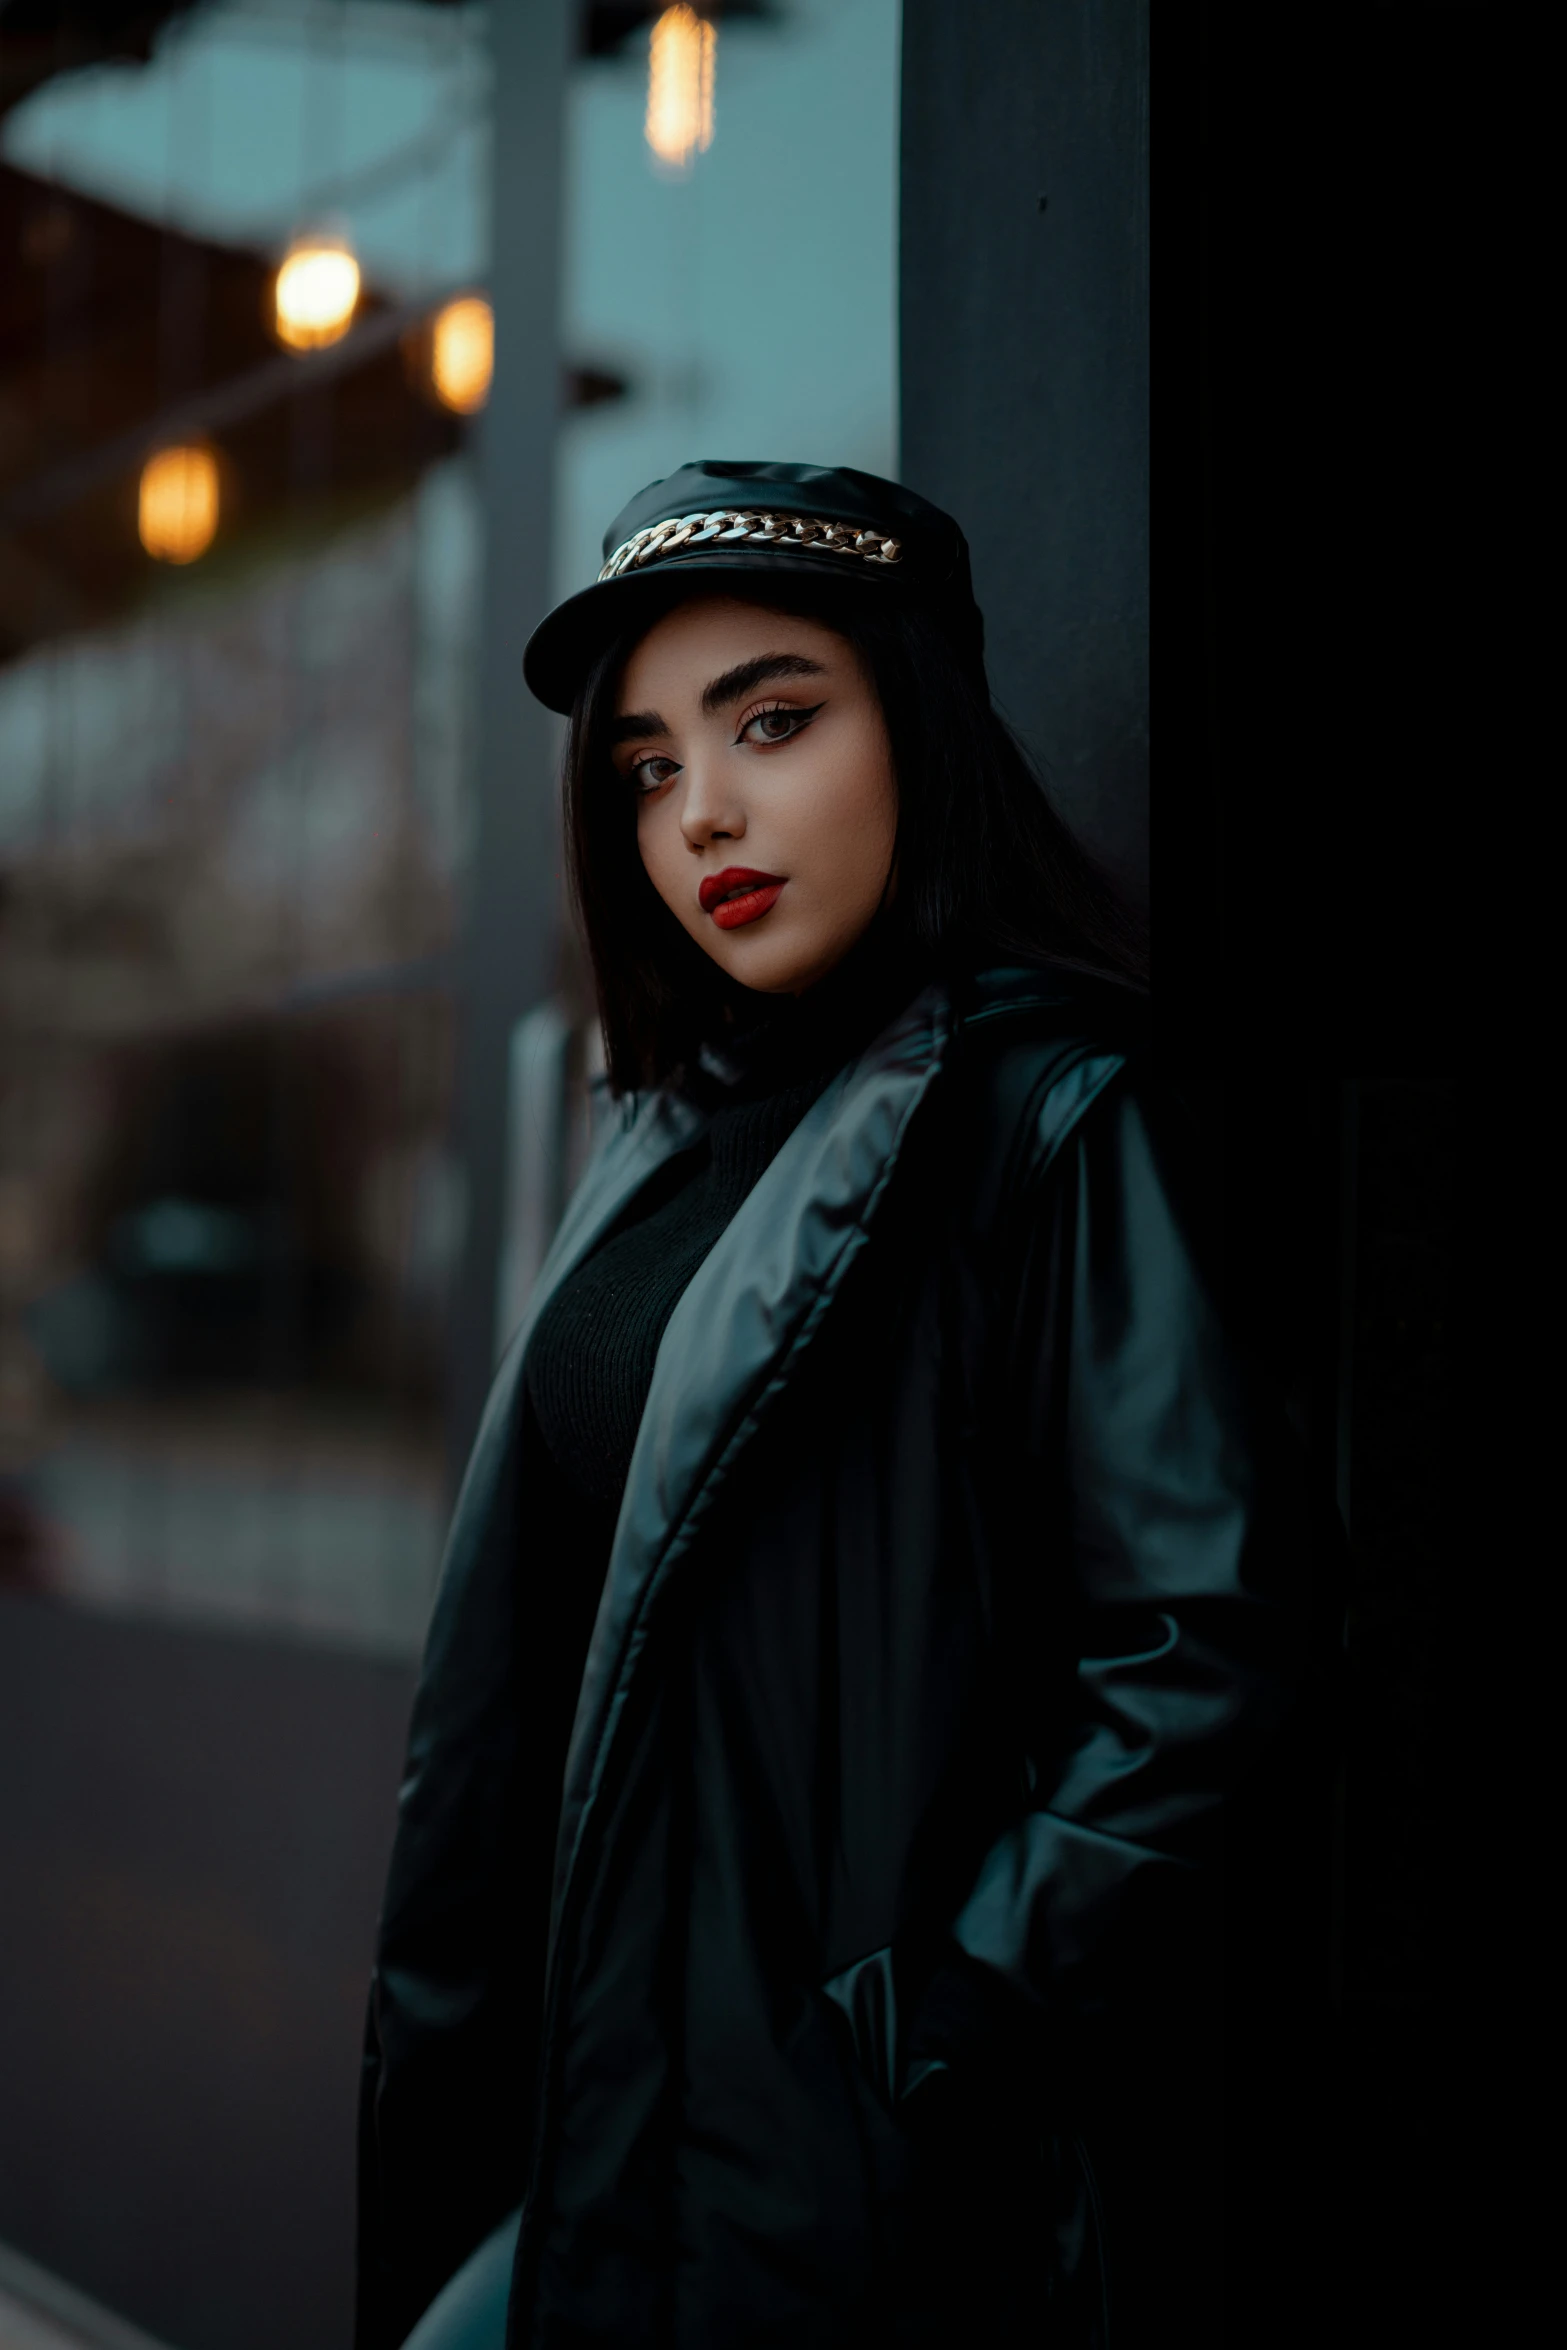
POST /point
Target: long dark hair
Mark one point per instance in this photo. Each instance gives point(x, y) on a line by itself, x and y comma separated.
point(987, 871)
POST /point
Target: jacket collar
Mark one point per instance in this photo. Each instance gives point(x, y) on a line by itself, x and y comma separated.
point(657, 1125)
point(898, 1064)
point(653, 1128)
point(758, 1298)
point(734, 1338)
point(747, 1316)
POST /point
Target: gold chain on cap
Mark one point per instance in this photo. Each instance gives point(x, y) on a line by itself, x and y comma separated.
point(753, 530)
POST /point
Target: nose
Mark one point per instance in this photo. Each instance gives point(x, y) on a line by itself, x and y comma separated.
point(710, 808)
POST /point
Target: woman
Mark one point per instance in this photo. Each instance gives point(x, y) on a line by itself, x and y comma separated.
point(873, 1572)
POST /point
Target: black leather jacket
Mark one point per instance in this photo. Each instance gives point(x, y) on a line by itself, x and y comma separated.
point(962, 1572)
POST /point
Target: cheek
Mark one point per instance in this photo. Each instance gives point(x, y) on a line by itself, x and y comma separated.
point(665, 857)
point(855, 814)
point(650, 847)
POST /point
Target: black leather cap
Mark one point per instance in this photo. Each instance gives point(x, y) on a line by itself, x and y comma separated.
point(825, 521)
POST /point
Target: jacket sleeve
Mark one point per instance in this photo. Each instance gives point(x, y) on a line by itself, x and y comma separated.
point(1155, 1543)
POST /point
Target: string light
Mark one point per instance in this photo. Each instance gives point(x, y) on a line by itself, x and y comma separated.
point(462, 357)
point(314, 292)
point(177, 508)
point(682, 55)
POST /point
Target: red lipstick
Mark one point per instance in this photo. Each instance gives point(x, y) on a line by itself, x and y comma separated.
point(739, 895)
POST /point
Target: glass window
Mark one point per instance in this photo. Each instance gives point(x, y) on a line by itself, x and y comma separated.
point(239, 465)
point(236, 627)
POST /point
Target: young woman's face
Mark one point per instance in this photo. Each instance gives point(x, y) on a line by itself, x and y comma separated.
point(766, 805)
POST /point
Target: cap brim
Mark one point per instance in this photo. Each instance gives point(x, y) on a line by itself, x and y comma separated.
point(567, 642)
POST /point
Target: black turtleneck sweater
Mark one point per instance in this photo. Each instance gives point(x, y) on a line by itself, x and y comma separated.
point(590, 1359)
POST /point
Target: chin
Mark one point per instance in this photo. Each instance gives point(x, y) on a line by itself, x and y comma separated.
point(769, 973)
point(777, 962)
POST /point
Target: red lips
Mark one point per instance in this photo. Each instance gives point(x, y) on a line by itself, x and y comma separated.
point(739, 895)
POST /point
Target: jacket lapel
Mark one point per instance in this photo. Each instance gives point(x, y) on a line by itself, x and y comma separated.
point(732, 1341)
point(659, 1126)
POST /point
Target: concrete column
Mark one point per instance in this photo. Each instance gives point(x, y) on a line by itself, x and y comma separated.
point(1024, 370)
point(512, 922)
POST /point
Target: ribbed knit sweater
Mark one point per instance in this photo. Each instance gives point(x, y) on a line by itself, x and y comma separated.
point(590, 1359)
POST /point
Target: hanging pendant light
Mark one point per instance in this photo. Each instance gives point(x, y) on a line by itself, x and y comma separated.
point(315, 291)
point(177, 503)
point(462, 353)
point(682, 57)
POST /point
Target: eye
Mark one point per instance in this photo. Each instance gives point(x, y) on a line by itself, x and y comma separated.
point(776, 724)
point(650, 772)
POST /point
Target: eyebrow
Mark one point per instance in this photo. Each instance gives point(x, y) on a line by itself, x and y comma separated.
point(637, 722)
point(748, 674)
point(741, 680)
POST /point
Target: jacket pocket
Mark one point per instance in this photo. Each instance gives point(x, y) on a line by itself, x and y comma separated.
point(866, 1996)
point(1079, 2290)
point(1053, 2165)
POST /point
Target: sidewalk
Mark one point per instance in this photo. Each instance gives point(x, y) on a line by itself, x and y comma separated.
point(24, 2329)
point(39, 2311)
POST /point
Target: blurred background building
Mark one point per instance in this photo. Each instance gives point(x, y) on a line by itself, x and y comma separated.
point(332, 335)
point(249, 348)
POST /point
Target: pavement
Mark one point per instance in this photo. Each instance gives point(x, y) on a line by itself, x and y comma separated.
point(22, 2328)
point(40, 2311)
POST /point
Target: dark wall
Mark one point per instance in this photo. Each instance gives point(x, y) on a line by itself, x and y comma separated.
point(1293, 903)
point(193, 1836)
point(1024, 353)
point(1404, 2064)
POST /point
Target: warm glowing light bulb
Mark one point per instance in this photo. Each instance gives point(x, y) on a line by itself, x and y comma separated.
point(682, 54)
point(314, 293)
point(177, 511)
point(462, 357)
